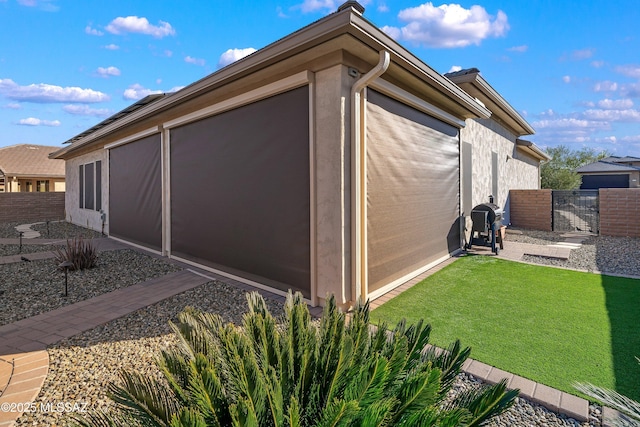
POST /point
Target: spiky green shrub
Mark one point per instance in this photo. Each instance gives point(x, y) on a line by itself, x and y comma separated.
point(296, 373)
point(80, 252)
point(629, 408)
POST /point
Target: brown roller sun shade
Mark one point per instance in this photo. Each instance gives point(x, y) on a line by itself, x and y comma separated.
point(135, 192)
point(240, 191)
point(413, 189)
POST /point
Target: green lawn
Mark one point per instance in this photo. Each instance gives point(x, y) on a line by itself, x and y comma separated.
point(550, 325)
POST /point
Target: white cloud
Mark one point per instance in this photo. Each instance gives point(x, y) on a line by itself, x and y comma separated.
point(92, 31)
point(382, 7)
point(112, 47)
point(168, 53)
point(617, 104)
point(85, 110)
point(45, 93)
point(631, 90)
point(597, 64)
point(308, 6)
point(629, 71)
point(175, 89)
point(454, 68)
point(137, 91)
point(581, 54)
point(134, 24)
point(449, 25)
point(13, 106)
point(280, 12)
point(108, 71)
point(568, 123)
point(393, 32)
point(32, 121)
point(45, 5)
point(628, 115)
point(522, 48)
point(566, 79)
point(605, 86)
point(232, 55)
point(631, 138)
point(195, 61)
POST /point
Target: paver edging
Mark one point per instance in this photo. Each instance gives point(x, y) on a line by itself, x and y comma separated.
point(29, 371)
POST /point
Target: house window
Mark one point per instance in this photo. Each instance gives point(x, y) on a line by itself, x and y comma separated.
point(28, 186)
point(90, 186)
point(42, 186)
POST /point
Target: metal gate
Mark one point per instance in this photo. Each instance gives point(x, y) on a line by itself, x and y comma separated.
point(576, 210)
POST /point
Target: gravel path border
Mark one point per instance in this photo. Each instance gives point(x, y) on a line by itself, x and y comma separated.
point(605, 254)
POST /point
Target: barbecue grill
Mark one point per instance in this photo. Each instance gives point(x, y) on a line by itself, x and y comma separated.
point(487, 220)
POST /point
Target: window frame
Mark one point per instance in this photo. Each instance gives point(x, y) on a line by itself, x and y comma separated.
point(90, 200)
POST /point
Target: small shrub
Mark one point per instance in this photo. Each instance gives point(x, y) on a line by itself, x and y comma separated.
point(81, 253)
point(295, 373)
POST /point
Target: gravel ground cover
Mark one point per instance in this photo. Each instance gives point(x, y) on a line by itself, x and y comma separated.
point(7, 250)
point(615, 255)
point(32, 288)
point(82, 367)
point(64, 230)
point(57, 230)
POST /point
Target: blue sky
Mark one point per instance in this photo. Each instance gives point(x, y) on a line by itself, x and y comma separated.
point(571, 68)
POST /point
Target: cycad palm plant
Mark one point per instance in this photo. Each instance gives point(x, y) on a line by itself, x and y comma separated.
point(297, 373)
point(629, 408)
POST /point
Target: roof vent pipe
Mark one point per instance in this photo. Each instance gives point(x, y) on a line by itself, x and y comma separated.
point(358, 180)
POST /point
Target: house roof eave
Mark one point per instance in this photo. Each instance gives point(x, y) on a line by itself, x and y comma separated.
point(348, 20)
point(473, 83)
point(532, 149)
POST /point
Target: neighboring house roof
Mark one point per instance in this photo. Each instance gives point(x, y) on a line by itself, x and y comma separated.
point(631, 161)
point(26, 160)
point(603, 166)
point(475, 85)
point(345, 32)
point(532, 149)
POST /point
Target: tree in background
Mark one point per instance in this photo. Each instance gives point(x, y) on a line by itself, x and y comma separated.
point(560, 172)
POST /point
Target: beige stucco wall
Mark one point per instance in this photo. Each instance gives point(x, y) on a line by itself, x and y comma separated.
point(332, 178)
point(516, 170)
point(15, 185)
point(86, 217)
point(57, 185)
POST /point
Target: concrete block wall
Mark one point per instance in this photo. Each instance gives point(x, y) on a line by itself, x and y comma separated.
point(31, 207)
point(531, 209)
point(620, 212)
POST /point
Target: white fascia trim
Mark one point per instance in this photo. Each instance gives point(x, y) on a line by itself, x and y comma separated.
point(391, 286)
point(415, 102)
point(134, 137)
point(300, 79)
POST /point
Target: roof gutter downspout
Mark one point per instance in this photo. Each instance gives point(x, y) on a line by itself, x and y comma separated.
point(359, 181)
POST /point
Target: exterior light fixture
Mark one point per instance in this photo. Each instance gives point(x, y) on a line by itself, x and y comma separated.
point(65, 265)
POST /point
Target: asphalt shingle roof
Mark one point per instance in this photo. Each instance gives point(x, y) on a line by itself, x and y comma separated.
point(27, 160)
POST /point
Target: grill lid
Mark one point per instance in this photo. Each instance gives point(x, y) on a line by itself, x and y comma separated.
point(494, 212)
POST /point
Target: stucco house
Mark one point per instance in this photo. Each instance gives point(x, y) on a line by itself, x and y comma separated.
point(326, 162)
point(611, 172)
point(494, 157)
point(28, 168)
